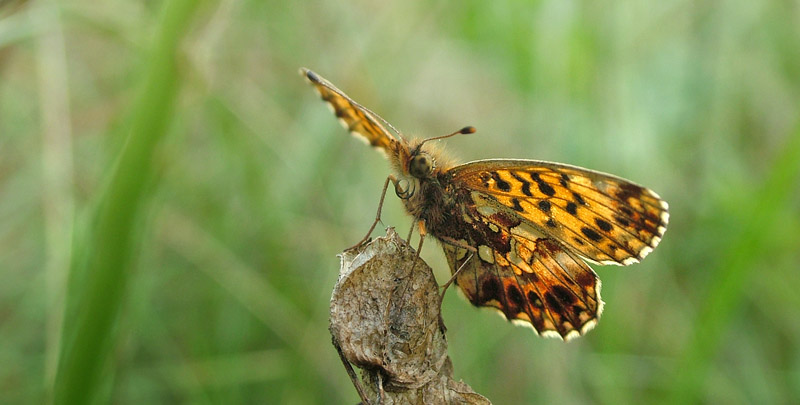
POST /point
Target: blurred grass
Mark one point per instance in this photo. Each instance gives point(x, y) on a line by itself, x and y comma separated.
point(758, 231)
point(100, 279)
point(219, 292)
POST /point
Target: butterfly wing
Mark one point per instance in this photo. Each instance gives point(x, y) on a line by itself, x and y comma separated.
point(536, 282)
point(531, 222)
point(601, 217)
point(356, 118)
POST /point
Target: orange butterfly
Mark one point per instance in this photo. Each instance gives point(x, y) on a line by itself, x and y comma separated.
point(516, 232)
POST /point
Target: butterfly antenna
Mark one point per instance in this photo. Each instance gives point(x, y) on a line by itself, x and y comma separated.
point(462, 131)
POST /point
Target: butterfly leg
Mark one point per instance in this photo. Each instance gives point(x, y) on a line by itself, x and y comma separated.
point(453, 278)
point(422, 233)
point(447, 284)
point(380, 208)
point(458, 244)
point(462, 245)
point(411, 231)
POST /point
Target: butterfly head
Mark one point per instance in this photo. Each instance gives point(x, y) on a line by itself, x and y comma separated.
point(416, 164)
point(421, 162)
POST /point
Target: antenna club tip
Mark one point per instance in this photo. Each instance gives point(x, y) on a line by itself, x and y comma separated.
point(309, 74)
point(467, 130)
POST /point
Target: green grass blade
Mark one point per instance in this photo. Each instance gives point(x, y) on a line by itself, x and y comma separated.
point(89, 337)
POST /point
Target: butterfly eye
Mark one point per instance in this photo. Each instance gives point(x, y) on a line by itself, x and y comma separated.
point(421, 165)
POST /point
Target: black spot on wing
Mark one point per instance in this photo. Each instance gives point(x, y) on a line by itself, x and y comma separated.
point(564, 179)
point(622, 221)
point(552, 302)
point(501, 184)
point(490, 290)
point(591, 234)
point(563, 294)
point(526, 185)
point(526, 189)
point(544, 205)
point(485, 177)
point(545, 188)
point(602, 224)
point(515, 297)
point(628, 190)
point(572, 208)
point(534, 300)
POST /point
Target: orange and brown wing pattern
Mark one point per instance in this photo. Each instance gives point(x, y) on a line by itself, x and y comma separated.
point(536, 283)
point(354, 117)
point(601, 217)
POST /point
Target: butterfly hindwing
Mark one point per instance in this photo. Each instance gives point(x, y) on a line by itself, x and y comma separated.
point(536, 282)
point(601, 217)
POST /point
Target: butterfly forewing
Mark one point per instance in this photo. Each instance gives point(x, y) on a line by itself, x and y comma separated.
point(355, 118)
point(603, 218)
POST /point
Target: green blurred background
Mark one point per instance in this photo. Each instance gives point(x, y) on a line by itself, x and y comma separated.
point(174, 195)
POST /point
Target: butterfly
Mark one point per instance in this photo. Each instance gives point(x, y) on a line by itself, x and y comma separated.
point(516, 233)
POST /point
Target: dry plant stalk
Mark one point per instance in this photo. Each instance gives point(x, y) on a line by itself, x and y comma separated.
point(385, 320)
